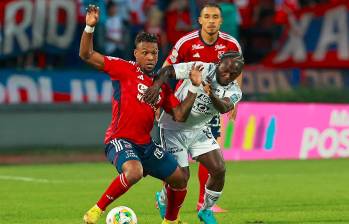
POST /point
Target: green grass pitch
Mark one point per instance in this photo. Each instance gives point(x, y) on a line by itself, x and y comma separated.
point(272, 192)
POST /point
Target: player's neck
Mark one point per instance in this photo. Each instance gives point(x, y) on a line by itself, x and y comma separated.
point(208, 38)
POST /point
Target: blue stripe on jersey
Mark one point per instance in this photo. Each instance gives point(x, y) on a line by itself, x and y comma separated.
point(117, 90)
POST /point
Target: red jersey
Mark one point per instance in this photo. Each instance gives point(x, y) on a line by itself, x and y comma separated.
point(191, 47)
point(132, 118)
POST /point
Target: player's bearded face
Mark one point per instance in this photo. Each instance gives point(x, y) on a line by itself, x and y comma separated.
point(227, 71)
point(146, 54)
point(210, 20)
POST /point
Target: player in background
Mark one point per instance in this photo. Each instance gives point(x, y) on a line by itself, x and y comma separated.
point(219, 94)
point(206, 45)
point(128, 145)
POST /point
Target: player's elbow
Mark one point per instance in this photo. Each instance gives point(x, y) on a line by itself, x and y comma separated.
point(84, 56)
point(179, 116)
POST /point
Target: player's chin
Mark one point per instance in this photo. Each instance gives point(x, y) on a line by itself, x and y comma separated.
point(149, 67)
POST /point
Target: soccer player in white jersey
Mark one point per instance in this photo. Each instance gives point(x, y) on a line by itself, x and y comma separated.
point(218, 93)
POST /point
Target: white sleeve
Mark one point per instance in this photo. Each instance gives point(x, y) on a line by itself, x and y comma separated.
point(236, 95)
point(182, 70)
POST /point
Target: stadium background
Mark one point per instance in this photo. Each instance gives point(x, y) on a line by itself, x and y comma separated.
point(54, 108)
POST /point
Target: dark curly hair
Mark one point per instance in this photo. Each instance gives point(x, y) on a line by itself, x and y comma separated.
point(145, 37)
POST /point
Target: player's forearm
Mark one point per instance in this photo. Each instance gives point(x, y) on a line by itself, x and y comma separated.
point(164, 74)
point(86, 46)
point(220, 104)
point(182, 111)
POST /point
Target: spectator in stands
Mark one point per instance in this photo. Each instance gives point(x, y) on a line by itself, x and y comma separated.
point(114, 45)
point(178, 21)
point(154, 25)
point(231, 18)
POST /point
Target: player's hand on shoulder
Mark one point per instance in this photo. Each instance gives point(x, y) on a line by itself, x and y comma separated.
point(207, 87)
point(92, 15)
point(196, 74)
point(151, 95)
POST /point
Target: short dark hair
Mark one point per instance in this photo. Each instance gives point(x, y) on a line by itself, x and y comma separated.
point(213, 5)
point(233, 54)
point(145, 37)
point(237, 58)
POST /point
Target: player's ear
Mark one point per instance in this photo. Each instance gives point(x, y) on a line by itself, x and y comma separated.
point(200, 20)
point(135, 52)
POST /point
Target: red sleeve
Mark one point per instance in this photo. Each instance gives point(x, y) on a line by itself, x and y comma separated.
point(116, 68)
point(177, 55)
point(170, 101)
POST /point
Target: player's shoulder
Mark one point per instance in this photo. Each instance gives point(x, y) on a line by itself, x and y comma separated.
point(119, 60)
point(188, 38)
point(229, 40)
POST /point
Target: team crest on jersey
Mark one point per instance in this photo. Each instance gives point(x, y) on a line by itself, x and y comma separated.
point(220, 53)
point(140, 77)
point(174, 55)
point(196, 46)
point(219, 47)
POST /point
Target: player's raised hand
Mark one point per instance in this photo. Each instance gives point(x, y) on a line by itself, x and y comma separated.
point(196, 74)
point(151, 95)
point(92, 15)
point(207, 87)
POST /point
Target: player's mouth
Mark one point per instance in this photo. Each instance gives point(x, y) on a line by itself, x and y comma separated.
point(150, 64)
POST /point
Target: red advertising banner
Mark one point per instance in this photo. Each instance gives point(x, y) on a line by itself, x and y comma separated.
point(316, 37)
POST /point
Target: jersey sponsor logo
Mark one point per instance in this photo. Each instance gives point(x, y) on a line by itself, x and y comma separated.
point(142, 88)
point(204, 98)
point(174, 150)
point(140, 77)
point(219, 47)
point(196, 46)
point(201, 108)
point(197, 55)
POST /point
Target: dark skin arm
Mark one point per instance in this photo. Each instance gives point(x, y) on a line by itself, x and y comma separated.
point(222, 105)
point(164, 74)
point(182, 111)
point(86, 52)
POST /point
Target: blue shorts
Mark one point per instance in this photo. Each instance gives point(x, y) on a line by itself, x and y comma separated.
point(156, 162)
point(215, 125)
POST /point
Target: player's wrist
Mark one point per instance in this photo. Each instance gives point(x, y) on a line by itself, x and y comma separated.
point(193, 88)
point(89, 29)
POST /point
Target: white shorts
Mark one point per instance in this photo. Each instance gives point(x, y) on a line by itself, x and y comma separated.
point(182, 143)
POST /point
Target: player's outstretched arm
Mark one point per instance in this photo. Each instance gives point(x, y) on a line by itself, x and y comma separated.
point(152, 93)
point(182, 111)
point(86, 44)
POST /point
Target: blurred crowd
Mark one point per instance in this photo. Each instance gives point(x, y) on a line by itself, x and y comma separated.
point(256, 24)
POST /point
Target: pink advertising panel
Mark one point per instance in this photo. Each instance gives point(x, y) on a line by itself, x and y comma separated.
point(286, 131)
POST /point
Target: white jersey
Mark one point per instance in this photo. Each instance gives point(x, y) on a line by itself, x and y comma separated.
point(203, 110)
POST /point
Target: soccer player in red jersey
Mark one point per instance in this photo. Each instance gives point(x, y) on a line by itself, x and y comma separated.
point(206, 45)
point(128, 145)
